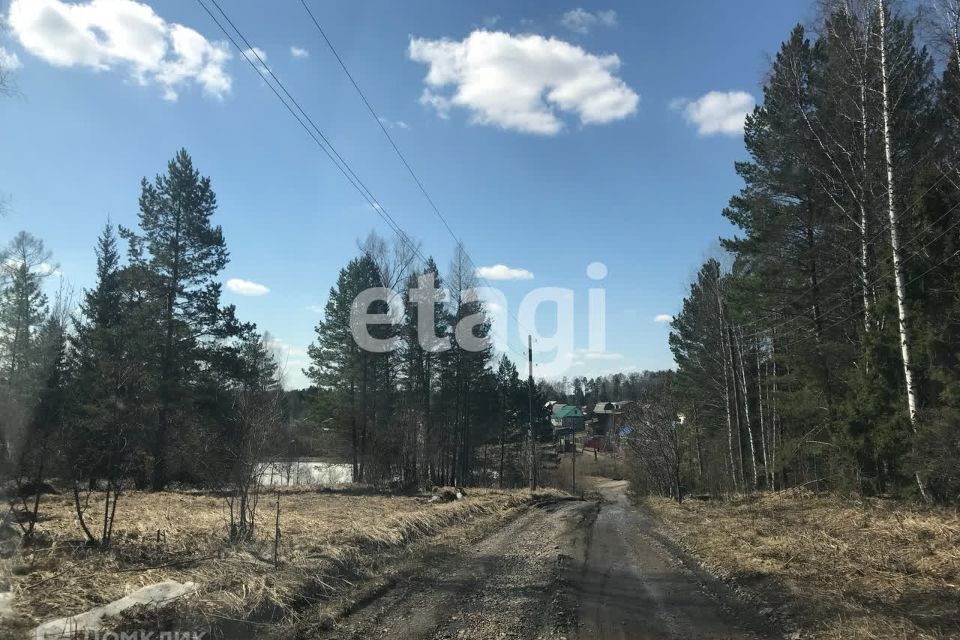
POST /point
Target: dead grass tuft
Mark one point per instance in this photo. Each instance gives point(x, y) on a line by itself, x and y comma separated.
point(852, 569)
point(328, 540)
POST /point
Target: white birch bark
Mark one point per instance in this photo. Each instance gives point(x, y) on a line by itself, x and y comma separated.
point(726, 387)
point(746, 408)
point(763, 432)
point(900, 286)
point(773, 407)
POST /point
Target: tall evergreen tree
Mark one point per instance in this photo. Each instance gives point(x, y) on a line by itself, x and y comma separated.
point(180, 253)
point(340, 365)
point(111, 352)
point(23, 310)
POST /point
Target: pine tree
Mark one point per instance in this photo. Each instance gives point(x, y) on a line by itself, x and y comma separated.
point(180, 253)
point(511, 398)
point(110, 353)
point(23, 310)
point(38, 455)
point(419, 371)
point(340, 365)
point(464, 364)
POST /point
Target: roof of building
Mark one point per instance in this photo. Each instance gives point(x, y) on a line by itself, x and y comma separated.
point(605, 407)
point(566, 410)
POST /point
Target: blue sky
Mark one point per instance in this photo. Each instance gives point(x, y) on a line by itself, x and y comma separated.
point(543, 152)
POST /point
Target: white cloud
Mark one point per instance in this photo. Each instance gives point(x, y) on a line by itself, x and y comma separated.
point(47, 269)
point(593, 368)
point(663, 317)
point(42, 269)
point(316, 308)
point(522, 82)
point(503, 272)
point(254, 53)
point(246, 287)
point(291, 361)
point(299, 52)
point(121, 34)
point(717, 111)
point(393, 124)
point(258, 57)
point(285, 349)
point(586, 354)
point(581, 20)
point(440, 104)
point(9, 60)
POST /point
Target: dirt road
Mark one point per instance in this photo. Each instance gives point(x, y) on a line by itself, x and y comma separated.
point(567, 570)
point(632, 586)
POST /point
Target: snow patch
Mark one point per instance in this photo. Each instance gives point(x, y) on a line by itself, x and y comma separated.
point(159, 595)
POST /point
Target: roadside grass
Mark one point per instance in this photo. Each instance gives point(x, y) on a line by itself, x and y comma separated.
point(329, 541)
point(592, 469)
point(867, 568)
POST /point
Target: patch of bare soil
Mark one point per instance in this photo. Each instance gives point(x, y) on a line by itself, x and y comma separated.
point(634, 583)
point(576, 569)
point(581, 474)
point(330, 542)
point(512, 584)
point(848, 569)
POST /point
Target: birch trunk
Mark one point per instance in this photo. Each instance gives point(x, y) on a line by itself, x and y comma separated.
point(763, 432)
point(773, 407)
point(726, 388)
point(900, 286)
point(864, 219)
point(736, 407)
point(746, 409)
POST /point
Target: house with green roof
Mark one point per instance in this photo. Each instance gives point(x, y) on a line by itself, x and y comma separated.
point(567, 416)
point(566, 420)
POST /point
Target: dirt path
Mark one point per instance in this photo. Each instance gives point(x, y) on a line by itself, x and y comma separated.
point(571, 569)
point(502, 587)
point(632, 586)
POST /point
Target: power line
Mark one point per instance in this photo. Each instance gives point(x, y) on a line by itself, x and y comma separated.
point(328, 148)
point(316, 134)
point(399, 153)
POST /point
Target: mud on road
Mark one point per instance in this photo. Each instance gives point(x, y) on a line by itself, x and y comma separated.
point(580, 569)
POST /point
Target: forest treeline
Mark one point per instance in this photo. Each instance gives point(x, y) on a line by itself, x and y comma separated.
point(821, 350)
point(147, 379)
point(417, 416)
point(585, 391)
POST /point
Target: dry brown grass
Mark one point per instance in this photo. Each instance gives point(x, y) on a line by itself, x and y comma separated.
point(328, 539)
point(850, 569)
point(592, 470)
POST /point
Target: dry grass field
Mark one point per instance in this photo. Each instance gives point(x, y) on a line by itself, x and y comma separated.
point(329, 541)
point(849, 569)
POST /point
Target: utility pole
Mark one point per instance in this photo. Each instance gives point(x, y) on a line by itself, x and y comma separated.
point(574, 460)
point(533, 457)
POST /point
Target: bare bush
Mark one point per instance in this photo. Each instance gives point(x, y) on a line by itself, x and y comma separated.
point(256, 416)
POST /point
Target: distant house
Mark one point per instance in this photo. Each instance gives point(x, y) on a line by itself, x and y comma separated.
point(566, 420)
point(605, 416)
point(566, 416)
